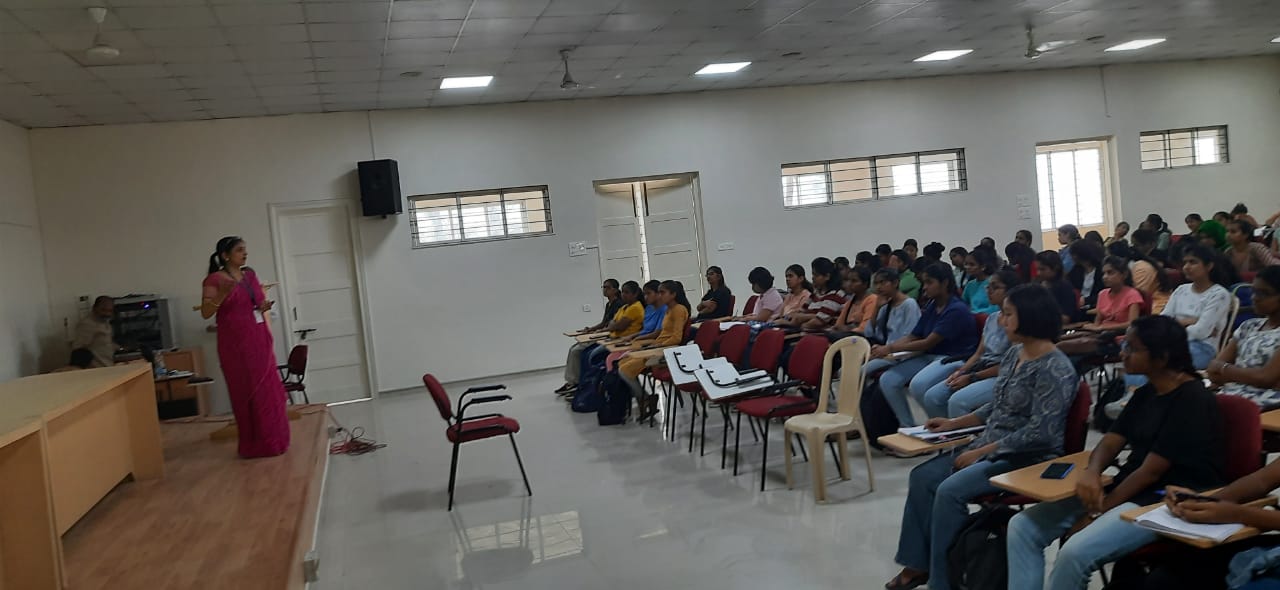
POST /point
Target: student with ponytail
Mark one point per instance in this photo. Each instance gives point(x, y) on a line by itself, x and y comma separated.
point(231, 292)
point(670, 294)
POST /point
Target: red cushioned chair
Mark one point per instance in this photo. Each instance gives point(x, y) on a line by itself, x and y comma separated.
point(805, 365)
point(294, 372)
point(733, 346)
point(707, 338)
point(464, 429)
point(750, 307)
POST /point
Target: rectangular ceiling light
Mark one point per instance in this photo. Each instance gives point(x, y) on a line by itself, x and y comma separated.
point(727, 68)
point(944, 55)
point(1276, 40)
point(466, 82)
point(1135, 44)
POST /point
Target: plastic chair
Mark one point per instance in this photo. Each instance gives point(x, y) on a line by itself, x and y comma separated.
point(464, 429)
point(1228, 329)
point(294, 372)
point(805, 365)
point(816, 427)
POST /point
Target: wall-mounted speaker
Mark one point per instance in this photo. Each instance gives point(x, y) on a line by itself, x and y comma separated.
point(380, 188)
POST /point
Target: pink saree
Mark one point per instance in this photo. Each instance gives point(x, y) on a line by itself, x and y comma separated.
point(248, 361)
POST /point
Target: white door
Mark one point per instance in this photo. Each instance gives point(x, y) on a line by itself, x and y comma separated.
point(321, 306)
point(1074, 181)
point(671, 232)
point(618, 235)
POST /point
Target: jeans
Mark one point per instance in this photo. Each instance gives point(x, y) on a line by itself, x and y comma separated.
point(573, 364)
point(1201, 353)
point(937, 508)
point(942, 402)
point(1108, 538)
point(894, 383)
point(930, 379)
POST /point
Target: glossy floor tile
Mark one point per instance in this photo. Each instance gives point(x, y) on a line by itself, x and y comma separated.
point(613, 508)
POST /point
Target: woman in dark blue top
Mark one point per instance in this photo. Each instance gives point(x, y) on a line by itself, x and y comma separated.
point(946, 328)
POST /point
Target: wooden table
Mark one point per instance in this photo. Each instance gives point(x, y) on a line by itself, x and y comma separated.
point(1244, 533)
point(67, 439)
point(1271, 421)
point(591, 337)
point(911, 446)
point(1027, 481)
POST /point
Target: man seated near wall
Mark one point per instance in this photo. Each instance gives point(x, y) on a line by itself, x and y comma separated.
point(81, 358)
point(93, 332)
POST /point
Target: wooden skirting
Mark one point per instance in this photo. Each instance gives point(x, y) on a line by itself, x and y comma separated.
point(214, 521)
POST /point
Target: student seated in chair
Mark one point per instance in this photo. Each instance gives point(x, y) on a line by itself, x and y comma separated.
point(799, 291)
point(573, 362)
point(670, 294)
point(824, 303)
point(1245, 254)
point(896, 315)
point(860, 307)
point(979, 265)
point(716, 303)
point(654, 312)
point(1119, 303)
point(945, 329)
point(1249, 366)
point(1174, 434)
point(768, 300)
point(900, 261)
point(970, 386)
point(958, 257)
point(1025, 420)
point(1201, 306)
point(1050, 276)
point(1086, 277)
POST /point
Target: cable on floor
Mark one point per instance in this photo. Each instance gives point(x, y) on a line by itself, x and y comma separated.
point(354, 443)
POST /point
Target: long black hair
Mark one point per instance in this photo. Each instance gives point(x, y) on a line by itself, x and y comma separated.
point(633, 288)
point(1223, 272)
point(942, 273)
point(224, 247)
point(1123, 250)
point(798, 270)
point(1122, 266)
point(823, 266)
point(1021, 257)
point(677, 288)
point(1165, 339)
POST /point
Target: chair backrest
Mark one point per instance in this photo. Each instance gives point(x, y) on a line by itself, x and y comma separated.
point(981, 320)
point(807, 359)
point(1242, 427)
point(1175, 276)
point(1077, 427)
point(1144, 308)
point(733, 304)
point(750, 307)
point(853, 352)
point(733, 343)
point(439, 396)
point(688, 332)
point(766, 353)
point(708, 334)
point(1231, 321)
point(298, 360)
point(1244, 293)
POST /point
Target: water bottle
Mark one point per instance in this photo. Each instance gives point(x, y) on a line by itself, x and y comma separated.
point(161, 371)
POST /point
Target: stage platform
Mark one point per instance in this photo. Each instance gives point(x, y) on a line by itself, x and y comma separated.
point(215, 521)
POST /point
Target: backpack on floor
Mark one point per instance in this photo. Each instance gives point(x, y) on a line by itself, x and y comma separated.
point(977, 559)
point(617, 400)
point(1112, 392)
point(877, 416)
point(588, 398)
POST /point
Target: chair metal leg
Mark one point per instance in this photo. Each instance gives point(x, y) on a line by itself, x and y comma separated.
point(866, 449)
point(835, 457)
point(724, 435)
point(752, 423)
point(786, 459)
point(803, 451)
point(764, 454)
point(290, 394)
point(702, 444)
point(305, 399)
point(453, 473)
point(737, 441)
point(516, 450)
point(693, 419)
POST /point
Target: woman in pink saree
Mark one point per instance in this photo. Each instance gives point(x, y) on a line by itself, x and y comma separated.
point(245, 350)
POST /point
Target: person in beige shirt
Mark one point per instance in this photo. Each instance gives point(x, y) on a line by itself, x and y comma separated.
point(93, 332)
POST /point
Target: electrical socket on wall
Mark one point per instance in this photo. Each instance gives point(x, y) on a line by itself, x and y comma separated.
point(724, 246)
point(577, 248)
point(586, 307)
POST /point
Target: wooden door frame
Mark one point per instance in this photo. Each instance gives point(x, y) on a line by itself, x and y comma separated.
point(274, 212)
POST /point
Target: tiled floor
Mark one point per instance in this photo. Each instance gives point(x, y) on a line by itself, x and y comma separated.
point(613, 507)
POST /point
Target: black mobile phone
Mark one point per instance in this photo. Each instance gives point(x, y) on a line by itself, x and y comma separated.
point(1192, 498)
point(1057, 470)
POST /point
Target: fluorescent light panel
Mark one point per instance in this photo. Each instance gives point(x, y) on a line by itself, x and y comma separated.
point(1276, 40)
point(1135, 44)
point(944, 55)
point(466, 82)
point(725, 68)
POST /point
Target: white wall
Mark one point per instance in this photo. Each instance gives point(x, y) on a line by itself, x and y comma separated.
point(154, 198)
point(24, 315)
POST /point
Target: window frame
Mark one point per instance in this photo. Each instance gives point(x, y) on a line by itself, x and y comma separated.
point(457, 212)
point(1166, 159)
point(962, 177)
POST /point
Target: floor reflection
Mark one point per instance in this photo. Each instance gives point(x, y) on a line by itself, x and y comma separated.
point(500, 551)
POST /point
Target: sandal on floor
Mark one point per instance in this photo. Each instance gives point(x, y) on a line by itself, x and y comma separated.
point(903, 582)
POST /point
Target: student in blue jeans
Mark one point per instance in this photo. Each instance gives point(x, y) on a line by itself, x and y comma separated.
point(1025, 422)
point(946, 328)
point(1174, 434)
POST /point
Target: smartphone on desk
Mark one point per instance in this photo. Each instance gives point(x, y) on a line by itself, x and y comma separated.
point(1177, 498)
point(1057, 470)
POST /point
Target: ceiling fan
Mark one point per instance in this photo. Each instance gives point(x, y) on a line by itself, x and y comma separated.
point(100, 50)
point(567, 82)
point(1035, 50)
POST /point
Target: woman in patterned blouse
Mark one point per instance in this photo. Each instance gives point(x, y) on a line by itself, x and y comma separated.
point(1248, 365)
point(1025, 423)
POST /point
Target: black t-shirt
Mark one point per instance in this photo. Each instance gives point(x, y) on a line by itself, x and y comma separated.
point(611, 309)
point(724, 306)
point(1065, 295)
point(1182, 426)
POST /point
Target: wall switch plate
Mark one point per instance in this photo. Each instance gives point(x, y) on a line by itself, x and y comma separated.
point(1024, 200)
point(577, 248)
point(724, 246)
point(586, 307)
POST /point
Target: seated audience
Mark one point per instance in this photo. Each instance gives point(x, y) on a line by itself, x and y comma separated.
point(94, 332)
point(1200, 306)
point(670, 294)
point(866, 260)
point(1068, 235)
point(1156, 224)
point(1248, 365)
point(1119, 234)
point(654, 312)
point(842, 266)
point(1241, 212)
point(799, 290)
point(979, 265)
point(1174, 435)
point(970, 385)
point(1245, 254)
point(1022, 259)
point(1023, 237)
point(860, 306)
point(912, 248)
point(883, 251)
point(1086, 277)
point(1049, 274)
point(1025, 422)
point(627, 322)
point(988, 242)
point(896, 314)
point(1119, 303)
point(718, 301)
point(958, 257)
point(768, 300)
point(827, 301)
point(1095, 237)
point(1193, 221)
point(1213, 235)
point(1144, 242)
point(933, 252)
point(946, 328)
point(1222, 217)
point(573, 363)
point(1148, 276)
point(907, 281)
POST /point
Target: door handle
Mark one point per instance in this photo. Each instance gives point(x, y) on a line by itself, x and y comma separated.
point(295, 314)
point(302, 334)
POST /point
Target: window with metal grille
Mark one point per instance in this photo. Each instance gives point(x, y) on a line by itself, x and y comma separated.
point(873, 178)
point(1073, 184)
point(1175, 148)
point(478, 216)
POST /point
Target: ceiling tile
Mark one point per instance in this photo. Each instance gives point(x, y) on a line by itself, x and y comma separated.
point(508, 9)
point(348, 76)
point(214, 53)
point(149, 84)
point(293, 79)
point(273, 51)
point(264, 14)
point(403, 10)
point(290, 90)
point(130, 72)
point(347, 12)
point(498, 26)
point(266, 34)
point(418, 46)
point(579, 7)
point(64, 20)
point(166, 17)
point(196, 37)
point(339, 64)
point(418, 29)
point(346, 31)
point(566, 24)
point(279, 66)
point(229, 92)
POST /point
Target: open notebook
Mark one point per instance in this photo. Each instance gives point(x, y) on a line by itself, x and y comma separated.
point(923, 433)
point(1163, 521)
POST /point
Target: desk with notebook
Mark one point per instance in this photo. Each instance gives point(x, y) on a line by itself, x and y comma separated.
point(917, 440)
point(1158, 518)
point(1271, 421)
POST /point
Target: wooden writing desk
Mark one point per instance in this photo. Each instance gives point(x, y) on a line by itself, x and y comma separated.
point(1244, 533)
point(1027, 481)
point(590, 337)
point(911, 446)
point(67, 439)
point(1271, 421)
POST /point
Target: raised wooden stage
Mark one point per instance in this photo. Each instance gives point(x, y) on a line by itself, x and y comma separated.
point(214, 521)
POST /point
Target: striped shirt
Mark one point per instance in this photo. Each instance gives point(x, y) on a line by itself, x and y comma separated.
point(827, 305)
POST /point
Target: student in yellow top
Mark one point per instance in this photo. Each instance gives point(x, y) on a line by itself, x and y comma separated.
point(671, 294)
point(630, 317)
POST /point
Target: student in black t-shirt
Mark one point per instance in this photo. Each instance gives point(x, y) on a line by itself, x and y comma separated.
point(1174, 434)
point(717, 303)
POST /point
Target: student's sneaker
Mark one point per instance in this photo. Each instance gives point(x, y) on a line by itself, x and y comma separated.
point(566, 389)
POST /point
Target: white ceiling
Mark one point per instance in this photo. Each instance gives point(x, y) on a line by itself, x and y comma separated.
point(201, 59)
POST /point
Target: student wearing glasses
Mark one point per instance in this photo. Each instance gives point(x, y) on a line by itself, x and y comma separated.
point(1248, 365)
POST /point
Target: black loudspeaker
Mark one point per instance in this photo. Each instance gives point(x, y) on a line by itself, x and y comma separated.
point(380, 188)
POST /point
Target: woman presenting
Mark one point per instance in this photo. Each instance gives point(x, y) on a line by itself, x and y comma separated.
point(245, 350)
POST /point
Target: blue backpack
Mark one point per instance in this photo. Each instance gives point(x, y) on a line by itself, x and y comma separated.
point(589, 397)
point(617, 400)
